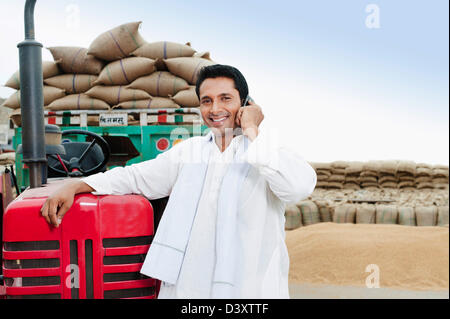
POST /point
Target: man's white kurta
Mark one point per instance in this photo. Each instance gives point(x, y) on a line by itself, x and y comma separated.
point(277, 176)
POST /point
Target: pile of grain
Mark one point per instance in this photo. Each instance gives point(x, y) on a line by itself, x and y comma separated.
point(338, 254)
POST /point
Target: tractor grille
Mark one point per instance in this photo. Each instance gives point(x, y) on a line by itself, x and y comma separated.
point(32, 269)
point(122, 262)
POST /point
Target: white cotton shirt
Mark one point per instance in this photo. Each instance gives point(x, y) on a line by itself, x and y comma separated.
point(277, 176)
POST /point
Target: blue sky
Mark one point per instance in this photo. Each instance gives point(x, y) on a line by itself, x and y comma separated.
point(331, 87)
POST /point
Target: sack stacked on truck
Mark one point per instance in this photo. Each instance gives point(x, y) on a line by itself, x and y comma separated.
point(337, 177)
point(50, 92)
point(440, 176)
point(387, 174)
point(423, 178)
point(323, 171)
point(369, 175)
point(352, 175)
point(406, 175)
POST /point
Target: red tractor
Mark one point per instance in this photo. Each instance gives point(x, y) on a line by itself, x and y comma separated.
point(99, 248)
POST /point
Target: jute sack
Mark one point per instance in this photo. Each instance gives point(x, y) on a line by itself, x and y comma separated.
point(114, 95)
point(424, 171)
point(425, 185)
point(335, 185)
point(439, 172)
point(338, 171)
point(77, 102)
point(49, 69)
point(324, 211)
point(404, 184)
point(389, 185)
point(440, 180)
point(339, 164)
point(151, 103)
point(164, 50)
point(423, 179)
point(117, 43)
point(408, 167)
point(352, 179)
point(322, 184)
point(321, 166)
point(386, 214)
point(125, 71)
point(293, 217)
point(72, 83)
point(351, 185)
point(50, 94)
point(365, 214)
point(354, 168)
point(442, 216)
point(344, 213)
point(203, 55)
point(76, 60)
point(322, 177)
point(187, 68)
point(323, 172)
point(16, 117)
point(160, 83)
point(369, 173)
point(406, 178)
point(426, 216)
point(187, 98)
point(368, 179)
point(387, 178)
point(369, 185)
point(309, 212)
point(388, 167)
point(336, 178)
point(406, 216)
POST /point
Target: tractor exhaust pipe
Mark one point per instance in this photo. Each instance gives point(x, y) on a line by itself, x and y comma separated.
point(32, 100)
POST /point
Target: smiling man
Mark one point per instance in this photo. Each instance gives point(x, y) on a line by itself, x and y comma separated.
point(222, 232)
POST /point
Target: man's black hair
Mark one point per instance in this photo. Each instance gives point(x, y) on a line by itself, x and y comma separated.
point(220, 70)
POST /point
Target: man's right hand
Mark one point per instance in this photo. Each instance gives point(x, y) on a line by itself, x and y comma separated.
point(57, 204)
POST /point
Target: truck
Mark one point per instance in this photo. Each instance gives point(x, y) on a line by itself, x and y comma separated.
point(98, 249)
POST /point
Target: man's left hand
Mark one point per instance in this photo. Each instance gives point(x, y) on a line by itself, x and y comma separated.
point(248, 118)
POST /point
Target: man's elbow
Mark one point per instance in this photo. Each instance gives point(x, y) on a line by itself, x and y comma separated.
point(305, 185)
point(302, 186)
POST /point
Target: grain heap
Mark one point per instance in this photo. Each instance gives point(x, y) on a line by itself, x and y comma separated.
point(414, 258)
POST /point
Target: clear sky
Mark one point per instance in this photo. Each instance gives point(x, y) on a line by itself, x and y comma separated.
point(332, 87)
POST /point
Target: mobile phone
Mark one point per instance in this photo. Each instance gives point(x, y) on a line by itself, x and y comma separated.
point(247, 99)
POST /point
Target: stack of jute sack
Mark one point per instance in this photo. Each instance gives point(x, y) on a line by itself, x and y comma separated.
point(337, 178)
point(119, 70)
point(440, 176)
point(310, 212)
point(424, 176)
point(387, 174)
point(323, 171)
point(352, 175)
point(369, 175)
point(406, 174)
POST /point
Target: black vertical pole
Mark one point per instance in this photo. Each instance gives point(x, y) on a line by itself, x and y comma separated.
point(32, 100)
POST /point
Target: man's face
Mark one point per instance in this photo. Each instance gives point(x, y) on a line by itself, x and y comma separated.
point(219, 104)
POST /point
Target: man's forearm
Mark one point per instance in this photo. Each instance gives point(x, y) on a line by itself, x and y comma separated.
point(81, 187)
